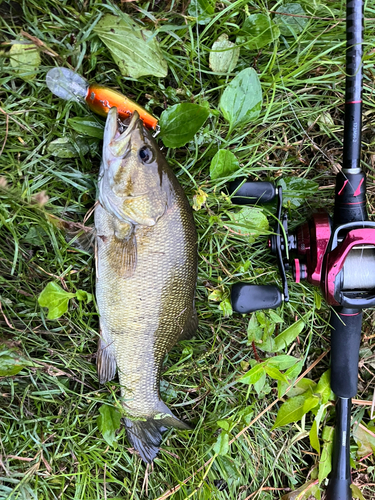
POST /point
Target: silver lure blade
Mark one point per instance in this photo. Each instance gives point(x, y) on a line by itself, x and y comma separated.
point(66, 84)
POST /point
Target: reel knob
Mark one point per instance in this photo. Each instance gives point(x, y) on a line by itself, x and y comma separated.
point(247, 298)
point(251, 193)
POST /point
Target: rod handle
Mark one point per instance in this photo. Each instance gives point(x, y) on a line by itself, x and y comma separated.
point(339, 489)
point(346, 326)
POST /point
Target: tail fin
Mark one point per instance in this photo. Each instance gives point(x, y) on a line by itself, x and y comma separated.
point(145, 435)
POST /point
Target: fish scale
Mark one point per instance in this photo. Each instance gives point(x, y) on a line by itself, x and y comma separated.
point(145, 281)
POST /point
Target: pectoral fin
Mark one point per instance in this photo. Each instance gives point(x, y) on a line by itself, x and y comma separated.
point(77, 234)
point(124, 255)
point(119, 249)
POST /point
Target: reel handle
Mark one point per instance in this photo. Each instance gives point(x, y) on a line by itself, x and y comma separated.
point(251, 193)
point(247, 298)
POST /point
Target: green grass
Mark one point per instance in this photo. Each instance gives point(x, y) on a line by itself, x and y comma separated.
point(50, 445)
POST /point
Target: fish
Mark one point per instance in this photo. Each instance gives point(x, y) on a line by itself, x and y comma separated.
point(146, 273)
point(69, 85)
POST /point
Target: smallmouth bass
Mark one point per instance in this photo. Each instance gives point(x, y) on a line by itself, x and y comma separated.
point(146, 250)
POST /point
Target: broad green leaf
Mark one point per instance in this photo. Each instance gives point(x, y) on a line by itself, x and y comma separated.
point(294, 370)
point(221, 447)
point(257, 31)
point(246, 414)
point(296, 190)
point(294, 409)
point(365, 439)
point(179, 123)
point(314, 438)
point(84, 296)
point(11, 362)
point(254, 330)
point(167, 390)
point(310, 403)
point(259, 384)
point(290, 374)
point(287, 336)
point(224, 163)
point(275, 373)
point(304, 492)
point(224, 424)
point(87, 126)
point(268, 326)
point(302, 386)
point(291, 25)
point(241, 101)
point(314, 432)
point(275, 317)
point(56, 299)
point(134, 49)
point(356, 492)
point(225, 307)
point(325, 463)
point(108, 422)
point(253, 375)
point(216, 295)
point(35, 236)
point(328, 433)
point(224, 55)
point(25, 59)
point(325, 120)
point(202, 10)
point(282, 362)
point(249, 223)
point(324, 387)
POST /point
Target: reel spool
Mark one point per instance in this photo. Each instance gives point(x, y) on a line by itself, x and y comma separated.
point(358, 272)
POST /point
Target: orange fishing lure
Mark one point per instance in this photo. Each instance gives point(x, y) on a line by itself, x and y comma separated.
point(101, 99)
point(68, 85)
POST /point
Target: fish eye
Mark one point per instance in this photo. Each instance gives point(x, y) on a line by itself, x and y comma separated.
point(145, 154)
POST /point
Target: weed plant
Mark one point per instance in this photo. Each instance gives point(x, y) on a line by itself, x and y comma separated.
point(50, 444)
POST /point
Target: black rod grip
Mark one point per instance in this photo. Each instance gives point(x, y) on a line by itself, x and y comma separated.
point(339, 481)
point(247, 298)
point(346, 328)
point(251, 193)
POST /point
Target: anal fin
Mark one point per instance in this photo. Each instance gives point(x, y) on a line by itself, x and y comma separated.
point(190, 326)
point(106, 359)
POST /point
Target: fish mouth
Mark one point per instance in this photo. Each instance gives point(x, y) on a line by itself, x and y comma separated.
point(118, 144)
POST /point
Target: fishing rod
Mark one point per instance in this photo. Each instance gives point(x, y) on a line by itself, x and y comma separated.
point(337, 254)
